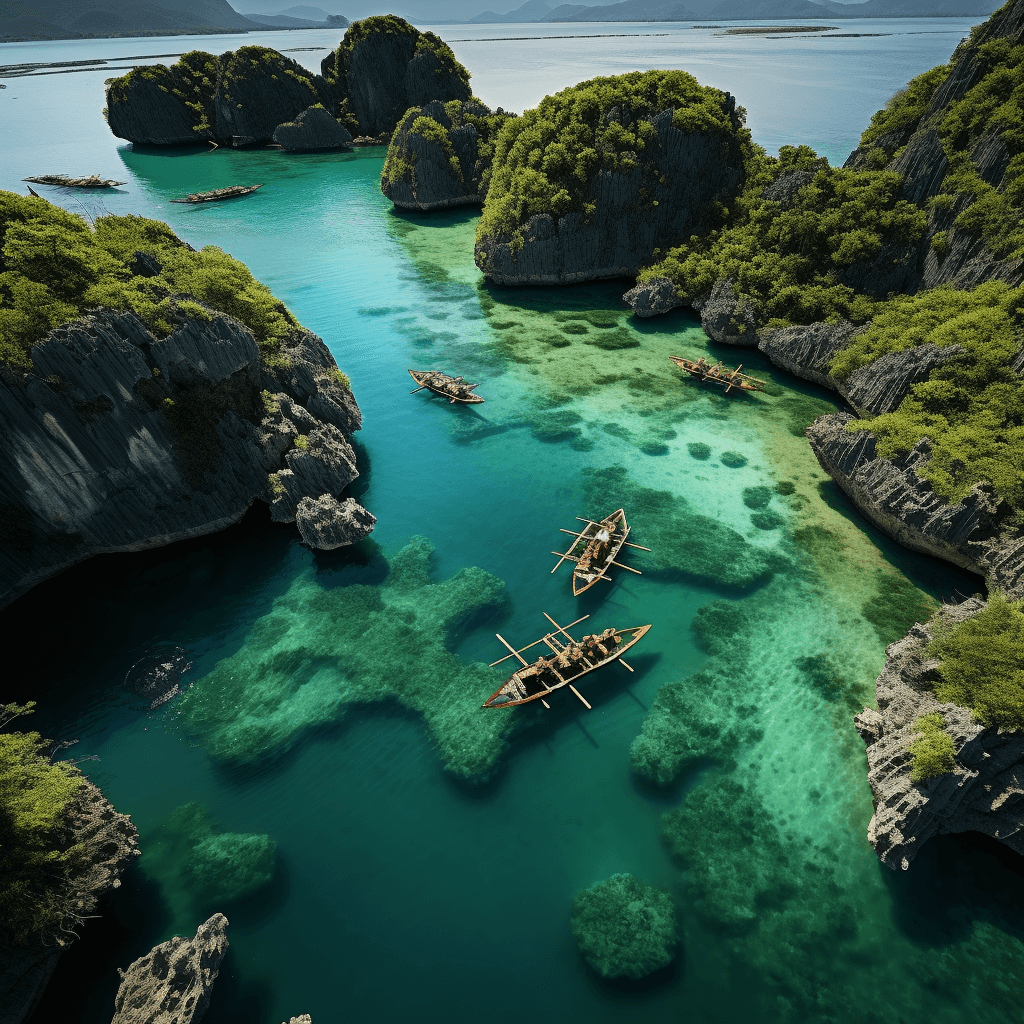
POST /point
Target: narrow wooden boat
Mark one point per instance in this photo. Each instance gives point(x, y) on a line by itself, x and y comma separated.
point(570, 660)
point(455, 389)
point(594, 550)
point(702, 370)
point(218, 193)
point(91, 181)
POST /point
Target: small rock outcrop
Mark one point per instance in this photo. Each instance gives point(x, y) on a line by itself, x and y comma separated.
point(653, 297)
point(111, 843)
point(982, 792)
point(171, 984)
point(326, 523)
point(313, 129)
point(550, 217)
point(384, 66)
point(117, 441)
point(728, 316)
point(434, 160)
point(808, 351)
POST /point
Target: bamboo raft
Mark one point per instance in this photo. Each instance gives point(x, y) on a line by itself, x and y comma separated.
point(218, 193)
point(455, 389)
point(570, 661)
point(92, 181)
point(703, 371)
point(601, 542)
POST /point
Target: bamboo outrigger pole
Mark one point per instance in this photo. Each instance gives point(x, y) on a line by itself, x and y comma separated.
point(626, 543)
point(525, 663)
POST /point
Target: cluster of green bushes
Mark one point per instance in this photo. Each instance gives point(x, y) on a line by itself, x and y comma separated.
point(54, 267)
point(901, 114)
point(981, 662)
point(932, 749)
point(545, 158)
point(37, 862)
point(972, 408)
point(789, 257)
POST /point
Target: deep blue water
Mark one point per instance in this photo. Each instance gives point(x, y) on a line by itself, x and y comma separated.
point(398, 889)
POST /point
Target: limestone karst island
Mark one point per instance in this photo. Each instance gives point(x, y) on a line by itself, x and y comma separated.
point(512, 514)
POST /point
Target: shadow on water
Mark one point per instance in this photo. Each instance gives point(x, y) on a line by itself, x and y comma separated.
point(236, 1002)
point(954, 882)
point(632, 989)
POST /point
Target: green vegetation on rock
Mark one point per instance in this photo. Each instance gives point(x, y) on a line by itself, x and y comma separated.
point(544, 160)
point(932, 749)
point(322, 651)
point(625, 928)
point(37, 861)
point(54, 267)
point(903, 110)
point(191, 79)
point(981, 662)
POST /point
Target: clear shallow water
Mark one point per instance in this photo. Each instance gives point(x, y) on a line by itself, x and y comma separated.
point(398, 889)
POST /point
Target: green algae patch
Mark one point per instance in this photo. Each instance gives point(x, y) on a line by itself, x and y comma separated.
point(932, 749)
point(895, 606)
point(682, 540)
point(733, 460)
point(699, 450)
point(625, 928)
point(320, 652)
point(192, 858)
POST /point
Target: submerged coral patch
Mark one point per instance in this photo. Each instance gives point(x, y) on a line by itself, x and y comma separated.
point(733, 460)
point(321, 651)
point(699, 450)
point(625, 928)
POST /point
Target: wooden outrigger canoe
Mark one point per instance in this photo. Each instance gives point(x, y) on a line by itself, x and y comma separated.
point(569, 662)
point(455, 389)
point(218, 193)
point(594, 550)
point(702, 370)
point(91, 181)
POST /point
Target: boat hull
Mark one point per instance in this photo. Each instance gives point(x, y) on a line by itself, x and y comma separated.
point(510, 694)
point(428, 379)
point(583, 581)
point(729, 379)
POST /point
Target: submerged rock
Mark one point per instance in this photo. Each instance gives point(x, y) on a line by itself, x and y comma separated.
point(313, 129)
point(625, 928)
point(171, 984)
point(665, 154)
point(981, 792)
point(434, 160)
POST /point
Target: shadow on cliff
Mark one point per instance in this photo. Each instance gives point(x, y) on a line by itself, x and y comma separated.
point(954, 882)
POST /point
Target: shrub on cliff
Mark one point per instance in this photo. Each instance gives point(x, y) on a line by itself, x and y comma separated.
point(981, 663)
point(624, 928)
point(547, 161)
point(970, 407)
point(36, 860)
point(802, 240)
point(53, 266)
point(932, 749)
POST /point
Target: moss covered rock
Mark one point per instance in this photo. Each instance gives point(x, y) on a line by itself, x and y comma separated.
point(599, 176)
point(313, 129)
point(625, 928)
point(384, 66)
point(440, 156)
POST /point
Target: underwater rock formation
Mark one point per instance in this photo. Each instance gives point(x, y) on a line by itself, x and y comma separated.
point(974, 533)
point(172, 983)
point(384, 66)
point(110, 842)
point(982, 790)
point(118, 441)
point(624, 928)
point(439, 156)
point(313, 129)
point(322, 651)
point(664, 152)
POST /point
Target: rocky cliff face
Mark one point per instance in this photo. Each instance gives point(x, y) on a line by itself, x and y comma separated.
point(983, 792)
point(171, 984)
point(119, 442)
point(110, 841)
point(384, 66)
point(435, 161)
point(313, 129)
point(623, 215)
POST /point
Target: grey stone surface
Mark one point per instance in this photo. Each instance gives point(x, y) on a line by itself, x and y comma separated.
point(784, 188)
point(808, 351)
point(110, 842)
point(982, 794)
point(653, 297)
point(683, 172)
point(171, 984)
point(326, 523)
point(313, 129)
point(881, 386)
point(153, 115)
point(727, 317)
point(120, 442)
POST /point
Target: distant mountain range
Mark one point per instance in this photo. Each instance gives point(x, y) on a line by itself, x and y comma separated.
point(74, 19)
point(737, 10)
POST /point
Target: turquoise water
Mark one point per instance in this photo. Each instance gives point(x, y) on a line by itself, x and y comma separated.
point(425, 854)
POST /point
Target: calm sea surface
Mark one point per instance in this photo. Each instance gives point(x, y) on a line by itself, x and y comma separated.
point(399, 892)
